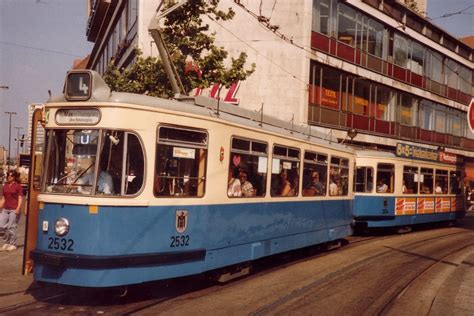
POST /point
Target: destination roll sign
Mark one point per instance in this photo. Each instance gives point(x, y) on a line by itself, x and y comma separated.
point(416, 152)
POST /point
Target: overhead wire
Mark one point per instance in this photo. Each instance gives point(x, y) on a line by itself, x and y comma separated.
point(40, 49)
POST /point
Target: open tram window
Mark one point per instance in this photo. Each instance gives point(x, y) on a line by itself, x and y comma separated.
point(364, 179)
point(385, 177)
point(455, 182)
point(339, 177)
point(285, 171)
point(410, 180)
point(315, 174)
point(181, 156)
point(247, 168)
point(441, 181)
point(426, 181)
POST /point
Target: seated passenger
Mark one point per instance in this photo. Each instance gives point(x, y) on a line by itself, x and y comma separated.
point(315, 187)
point(438, 189)
point(333, 186)
point(234, 187)
point(425, 189)
point(245, 185)
point(381, 186)
point(285, 184)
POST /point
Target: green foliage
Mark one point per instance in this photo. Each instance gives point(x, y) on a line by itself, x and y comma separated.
point(198, 61)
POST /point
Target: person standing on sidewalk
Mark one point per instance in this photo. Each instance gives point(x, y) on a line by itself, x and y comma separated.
point(10, 215)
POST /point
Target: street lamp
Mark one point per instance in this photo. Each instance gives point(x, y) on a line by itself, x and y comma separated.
point(18, 141)
point(9, 134)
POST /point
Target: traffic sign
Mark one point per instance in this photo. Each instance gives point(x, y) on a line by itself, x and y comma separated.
point(470, 115)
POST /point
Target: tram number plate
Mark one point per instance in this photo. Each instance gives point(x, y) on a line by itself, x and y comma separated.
point(179, 241)
point(60, 243)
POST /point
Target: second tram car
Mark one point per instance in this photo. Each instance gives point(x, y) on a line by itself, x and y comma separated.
point(138, 188)
point(392, 191)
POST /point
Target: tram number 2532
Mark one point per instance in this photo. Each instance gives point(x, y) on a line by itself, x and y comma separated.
point(179, 241)
point(60, 243)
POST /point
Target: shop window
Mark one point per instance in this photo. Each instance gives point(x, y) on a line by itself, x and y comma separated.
point(181, 156)
point(321, 14)
point(247, 168)
point(364, 179)
point(339, 177)
point(410, 180)
point(346, 28)
point(385, 178)
point(408, 109)
point(451, 71)
point(285, 171)
point(400, 51)
point(315, 169)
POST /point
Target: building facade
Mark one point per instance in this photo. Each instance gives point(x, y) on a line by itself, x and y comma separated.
point(374, 66)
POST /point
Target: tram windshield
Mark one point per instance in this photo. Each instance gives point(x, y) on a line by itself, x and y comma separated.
point(93, 162)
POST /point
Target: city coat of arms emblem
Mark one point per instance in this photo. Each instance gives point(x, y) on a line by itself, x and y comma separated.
point(181, 221)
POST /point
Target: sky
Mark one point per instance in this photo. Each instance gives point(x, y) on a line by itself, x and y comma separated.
point(39, 40)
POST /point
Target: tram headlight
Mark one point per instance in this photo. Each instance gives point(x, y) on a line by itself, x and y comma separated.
point(61, 227)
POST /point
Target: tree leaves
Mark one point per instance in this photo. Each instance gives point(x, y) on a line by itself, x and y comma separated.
point(198, 61)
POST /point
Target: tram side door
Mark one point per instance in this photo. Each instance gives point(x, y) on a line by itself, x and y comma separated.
point(32, 206)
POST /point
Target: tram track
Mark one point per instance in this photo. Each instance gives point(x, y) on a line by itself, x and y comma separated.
point(386, 307)
point(162, 295)
point(341, 278)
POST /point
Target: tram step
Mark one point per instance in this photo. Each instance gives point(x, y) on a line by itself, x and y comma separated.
point(226, 277)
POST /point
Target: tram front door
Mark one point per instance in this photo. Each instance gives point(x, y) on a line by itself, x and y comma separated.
point(32, 204)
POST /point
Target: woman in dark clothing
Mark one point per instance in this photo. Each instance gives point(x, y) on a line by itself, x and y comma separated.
point(10, 215)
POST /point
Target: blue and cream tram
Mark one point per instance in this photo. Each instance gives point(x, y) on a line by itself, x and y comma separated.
point(411, 186)
point(137, 188)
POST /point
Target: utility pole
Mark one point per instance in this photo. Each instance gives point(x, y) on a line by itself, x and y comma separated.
point(9, 135)
point(18, 142)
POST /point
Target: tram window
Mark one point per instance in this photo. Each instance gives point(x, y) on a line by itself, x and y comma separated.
point(70, 159)
point(410, 180)
point(339, 176)
point(110, 166)
point(455, 182)
point(385, 177)
point(426, 181)
point(364, 179)
point(285, 171)
point(181, 157)
point(441, 181)
point(112, 178)
point(315, 170)
point(134, 167)
point(247, 168)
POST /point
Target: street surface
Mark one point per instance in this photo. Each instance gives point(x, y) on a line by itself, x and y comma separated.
point(425, 272)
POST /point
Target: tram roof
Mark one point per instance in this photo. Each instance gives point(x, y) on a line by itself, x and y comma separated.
point(211, 108)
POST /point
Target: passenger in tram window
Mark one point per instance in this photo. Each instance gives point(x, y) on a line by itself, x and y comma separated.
point(438, 188)
point(381, 186)
point(404, 187)
point(285, 184)
point(334, 186)
point(425, 189)
point(234, 188)
point(314, 187)
point(246, 186)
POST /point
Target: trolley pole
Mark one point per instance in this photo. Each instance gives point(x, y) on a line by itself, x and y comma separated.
point(9, 136)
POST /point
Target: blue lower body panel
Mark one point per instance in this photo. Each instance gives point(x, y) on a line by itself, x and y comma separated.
point(385, 212)
point(128, 245)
